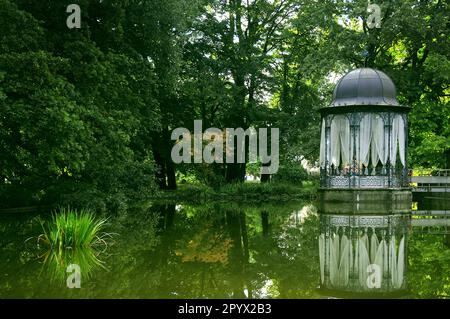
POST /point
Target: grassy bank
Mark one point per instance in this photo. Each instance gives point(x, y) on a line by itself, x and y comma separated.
point(249, 191)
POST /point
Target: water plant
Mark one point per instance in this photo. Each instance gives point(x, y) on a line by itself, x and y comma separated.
point(69, 228)
point(55, 262)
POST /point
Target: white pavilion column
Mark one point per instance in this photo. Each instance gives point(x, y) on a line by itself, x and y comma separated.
point(328, 145)
point(322, 146)
point(335, 141)
point(365, 135)
point(378, 147)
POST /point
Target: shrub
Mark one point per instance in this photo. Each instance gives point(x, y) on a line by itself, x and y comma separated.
point(291, 173)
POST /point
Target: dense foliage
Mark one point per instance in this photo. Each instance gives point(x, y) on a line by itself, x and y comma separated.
point(86, 114)
point(76, 118)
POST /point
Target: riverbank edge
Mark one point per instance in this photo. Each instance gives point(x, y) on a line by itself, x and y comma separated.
point(246, 192)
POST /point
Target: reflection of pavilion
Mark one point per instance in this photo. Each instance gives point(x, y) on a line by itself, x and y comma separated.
point(353, 248)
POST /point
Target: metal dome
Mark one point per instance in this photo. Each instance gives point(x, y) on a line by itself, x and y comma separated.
point(365, 86)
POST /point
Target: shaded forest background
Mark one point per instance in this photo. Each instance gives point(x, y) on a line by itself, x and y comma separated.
point(86, 114)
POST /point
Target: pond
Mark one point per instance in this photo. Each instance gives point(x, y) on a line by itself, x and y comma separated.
point(214, 250)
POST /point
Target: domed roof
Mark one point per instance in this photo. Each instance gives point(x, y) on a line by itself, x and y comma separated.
point(365, 86)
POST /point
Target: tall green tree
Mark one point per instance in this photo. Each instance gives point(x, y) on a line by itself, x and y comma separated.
point(75, 116)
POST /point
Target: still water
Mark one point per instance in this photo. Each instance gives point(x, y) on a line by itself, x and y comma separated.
point(234, 250)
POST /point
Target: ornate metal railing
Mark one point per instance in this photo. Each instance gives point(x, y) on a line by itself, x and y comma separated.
point(383, 177)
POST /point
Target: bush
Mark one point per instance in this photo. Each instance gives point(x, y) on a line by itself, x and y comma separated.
point(291, 173)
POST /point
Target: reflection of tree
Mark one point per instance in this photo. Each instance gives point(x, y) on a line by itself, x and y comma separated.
point(274, 257)
point(282, 262)
point(157, 262)
point(166, 221)
point(17, 263)
point(132, 266)
point(205, 252)
point(428, 271)
point(265, 223)
point(239, 254)
point(206, 247)
point(292, 267)
point(145, 261)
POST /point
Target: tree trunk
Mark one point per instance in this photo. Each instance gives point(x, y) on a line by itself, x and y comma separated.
point(170, 171)
point(161, 153)
point(265, 177)
point(161, 167)
point(235, 172)
point(265, 223)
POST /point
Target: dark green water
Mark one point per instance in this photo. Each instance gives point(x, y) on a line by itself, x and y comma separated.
point(230, 250)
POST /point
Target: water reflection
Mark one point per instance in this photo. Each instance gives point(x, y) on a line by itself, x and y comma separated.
point(55, 262)
point(238, 250)
point(363, 253)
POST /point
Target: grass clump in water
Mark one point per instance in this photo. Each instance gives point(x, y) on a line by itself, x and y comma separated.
point(70, 228)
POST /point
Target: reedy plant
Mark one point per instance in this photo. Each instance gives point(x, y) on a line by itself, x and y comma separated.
point(72, 229)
